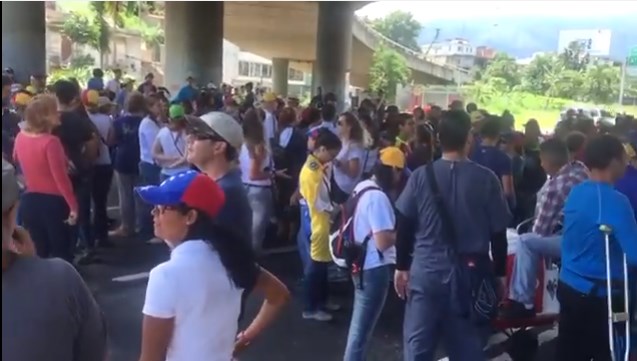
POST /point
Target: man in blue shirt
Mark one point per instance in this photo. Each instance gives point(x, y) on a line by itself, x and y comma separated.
point(583, 332)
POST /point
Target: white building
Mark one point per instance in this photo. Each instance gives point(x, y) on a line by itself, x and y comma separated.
point(456, 52)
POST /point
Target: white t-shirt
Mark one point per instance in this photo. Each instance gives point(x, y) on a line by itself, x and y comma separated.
point(269, 126)
point(245, 162)
point(174, 145)
point(113, 85)
point(374, 213)
point(349, 151)
point(103, 123)
point(193, 288)
point(148, 131)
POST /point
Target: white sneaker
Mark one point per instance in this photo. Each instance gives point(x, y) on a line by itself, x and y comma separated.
point(321, 316)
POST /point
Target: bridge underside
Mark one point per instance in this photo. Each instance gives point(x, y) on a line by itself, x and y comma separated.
point(289, 30)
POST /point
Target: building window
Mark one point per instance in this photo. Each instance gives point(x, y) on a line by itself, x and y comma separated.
point(295, 75)
point(460, 49)
point(244, 68)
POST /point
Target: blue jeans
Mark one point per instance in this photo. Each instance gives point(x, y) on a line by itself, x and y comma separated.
point(316, 286)
point(262, 205)
point(368, 305)
point(44, 216)
point(430, 317)
point(531, 249)
point(303, 237)
point(148, 176)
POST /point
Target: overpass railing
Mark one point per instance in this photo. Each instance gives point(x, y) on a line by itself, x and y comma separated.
point(405, 50)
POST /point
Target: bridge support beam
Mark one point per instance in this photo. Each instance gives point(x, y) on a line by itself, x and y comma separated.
point(194, 42)
point(333, 47)
point(280, 76)
point(24, 38)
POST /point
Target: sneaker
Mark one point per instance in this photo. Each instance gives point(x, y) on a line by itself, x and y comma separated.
point(513, 310)
point(321, 316)
point(332, 306)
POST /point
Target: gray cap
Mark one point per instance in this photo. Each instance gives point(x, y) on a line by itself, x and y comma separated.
point(220, 124)
point(10, 186)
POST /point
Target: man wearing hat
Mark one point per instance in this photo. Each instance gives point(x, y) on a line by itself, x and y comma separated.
point(214, 141)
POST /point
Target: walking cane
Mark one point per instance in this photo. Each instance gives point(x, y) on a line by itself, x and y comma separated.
point(616, 318)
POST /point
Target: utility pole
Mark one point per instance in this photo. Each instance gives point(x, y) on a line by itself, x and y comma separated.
point(622, 84)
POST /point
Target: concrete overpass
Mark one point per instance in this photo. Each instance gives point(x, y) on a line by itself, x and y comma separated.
point(322, 37)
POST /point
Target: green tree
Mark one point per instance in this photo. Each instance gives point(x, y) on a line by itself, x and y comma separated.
point(534, 75)
point(575, 56)
point(389, 68)
point(601, 84)
point(504, 67)
point(401, 27)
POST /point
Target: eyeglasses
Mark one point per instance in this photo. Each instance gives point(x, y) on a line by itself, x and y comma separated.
point(163, 209)
point(206, 136)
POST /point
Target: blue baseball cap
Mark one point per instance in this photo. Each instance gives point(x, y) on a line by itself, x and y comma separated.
point(190, 188)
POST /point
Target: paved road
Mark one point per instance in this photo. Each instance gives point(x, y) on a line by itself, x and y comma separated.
point(119, 284)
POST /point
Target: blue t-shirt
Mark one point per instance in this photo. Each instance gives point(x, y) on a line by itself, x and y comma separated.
point(126, 129)
point(187, 93)
point(493, 158)
point(628, 186)
point(236, 211)
point(95, 84)
point(589, 205)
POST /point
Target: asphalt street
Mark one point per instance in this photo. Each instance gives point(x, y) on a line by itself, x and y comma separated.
point(119, 282)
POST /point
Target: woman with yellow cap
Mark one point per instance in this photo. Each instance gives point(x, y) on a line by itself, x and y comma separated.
point(373, 228)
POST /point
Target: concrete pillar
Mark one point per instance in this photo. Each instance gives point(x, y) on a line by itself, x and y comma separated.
point(333, 47)
point(194, 42)
point(24, 38)
point(280, 71)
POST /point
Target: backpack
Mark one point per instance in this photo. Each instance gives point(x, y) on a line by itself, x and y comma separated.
point(345, 252)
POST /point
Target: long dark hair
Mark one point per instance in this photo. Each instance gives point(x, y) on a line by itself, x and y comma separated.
point(235, 253)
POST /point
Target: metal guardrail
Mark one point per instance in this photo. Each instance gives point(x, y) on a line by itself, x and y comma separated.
point(405, 50)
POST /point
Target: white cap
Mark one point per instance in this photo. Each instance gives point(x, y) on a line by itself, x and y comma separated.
point(221, 124)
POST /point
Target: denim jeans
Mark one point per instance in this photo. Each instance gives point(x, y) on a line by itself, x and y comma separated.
point(44, 216)
point(368, 305)
point(128, 201)
point(531, 249)
point(303, 237)
point(316, 286)
point(430, 318)
point(262, 205)
point(148, 176)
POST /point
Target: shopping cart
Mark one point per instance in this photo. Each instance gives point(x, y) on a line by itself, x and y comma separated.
point(618, 322)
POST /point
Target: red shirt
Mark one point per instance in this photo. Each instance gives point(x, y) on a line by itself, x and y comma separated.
point(45, 167)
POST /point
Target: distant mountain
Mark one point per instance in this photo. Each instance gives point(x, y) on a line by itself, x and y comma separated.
point(520, 37)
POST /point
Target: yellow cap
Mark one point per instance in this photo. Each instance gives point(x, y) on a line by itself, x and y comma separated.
point(22, 99)
point(269, 97)
point(392, 157)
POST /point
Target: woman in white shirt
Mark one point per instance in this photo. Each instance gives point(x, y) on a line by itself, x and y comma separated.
point(348, 164)
point(256, 165)
point(148, 170)
point(169, 149)
point(193, 300)
point(374, 219)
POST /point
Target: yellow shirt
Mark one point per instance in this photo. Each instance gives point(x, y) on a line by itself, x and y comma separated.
point(310, 181)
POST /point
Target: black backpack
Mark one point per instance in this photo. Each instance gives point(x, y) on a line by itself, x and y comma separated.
point(345, 252)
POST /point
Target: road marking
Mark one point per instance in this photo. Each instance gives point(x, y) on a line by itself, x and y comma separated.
point(132, 277)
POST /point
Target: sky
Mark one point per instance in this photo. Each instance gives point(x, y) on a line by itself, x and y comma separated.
point(461, 9)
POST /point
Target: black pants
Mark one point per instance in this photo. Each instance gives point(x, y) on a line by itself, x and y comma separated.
point(102, 179)
point(583, 330)
point(44, 216)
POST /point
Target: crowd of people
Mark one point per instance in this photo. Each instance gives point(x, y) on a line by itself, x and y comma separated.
point(216, 173)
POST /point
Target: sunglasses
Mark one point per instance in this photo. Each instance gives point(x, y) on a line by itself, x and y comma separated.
point(206, 136)
point(164, 209)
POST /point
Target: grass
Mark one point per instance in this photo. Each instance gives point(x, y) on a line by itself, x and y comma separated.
point(525, 106)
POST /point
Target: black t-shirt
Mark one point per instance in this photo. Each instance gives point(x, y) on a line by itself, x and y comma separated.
point(75, 131)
